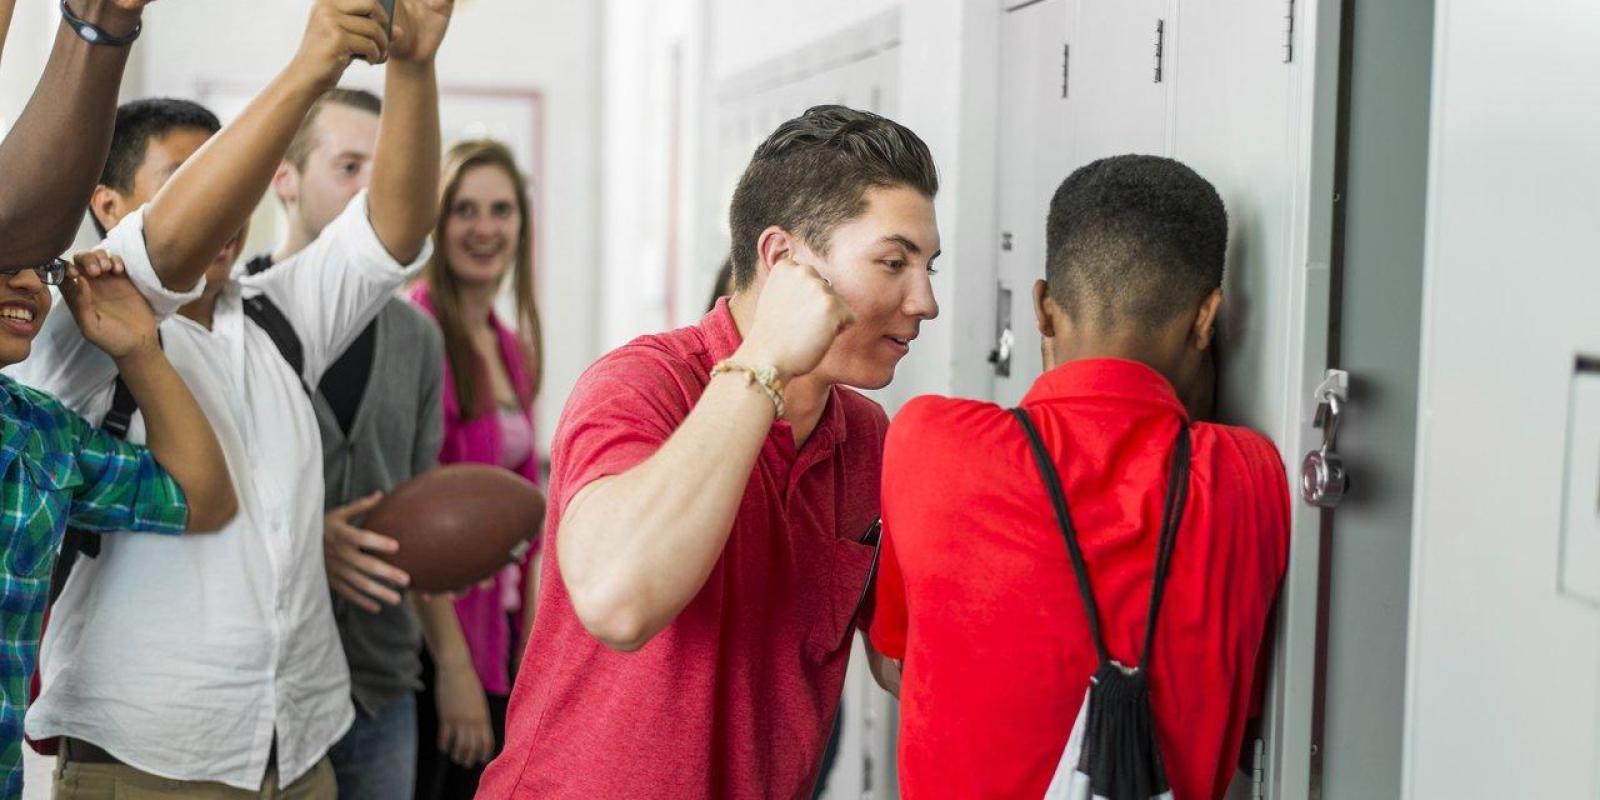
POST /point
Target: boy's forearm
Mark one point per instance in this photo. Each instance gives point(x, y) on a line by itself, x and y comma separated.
point(635, 548)
point(52, 157)
point(405, 173)
point(441, 631)
point(180, 437)
point(210, 198)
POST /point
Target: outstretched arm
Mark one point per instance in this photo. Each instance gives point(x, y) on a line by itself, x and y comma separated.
point(406, 167)
point(53, 155)
point(212, 195)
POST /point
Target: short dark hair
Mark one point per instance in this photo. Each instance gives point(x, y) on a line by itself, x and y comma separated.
point(305, 139)
point(812, 175)
point(1134, 240)
point(137, 123)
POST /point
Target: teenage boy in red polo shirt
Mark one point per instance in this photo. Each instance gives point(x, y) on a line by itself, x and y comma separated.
point(976, 593)
point(711, 487)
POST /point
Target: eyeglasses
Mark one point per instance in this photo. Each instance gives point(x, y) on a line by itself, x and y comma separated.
point(50, 274)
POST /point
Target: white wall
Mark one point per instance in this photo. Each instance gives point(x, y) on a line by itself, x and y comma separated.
point(1503, 684)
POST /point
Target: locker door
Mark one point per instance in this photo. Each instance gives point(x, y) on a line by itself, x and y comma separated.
point(1503, 679)
point(1036, 151)
point(1232, 119)
point(1121, 71)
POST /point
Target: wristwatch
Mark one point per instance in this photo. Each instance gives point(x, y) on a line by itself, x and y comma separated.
point(94, 34)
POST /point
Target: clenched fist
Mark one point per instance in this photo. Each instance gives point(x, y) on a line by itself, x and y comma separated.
point(797, 318)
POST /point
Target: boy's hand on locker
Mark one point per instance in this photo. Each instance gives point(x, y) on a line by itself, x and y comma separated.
point(797, 318)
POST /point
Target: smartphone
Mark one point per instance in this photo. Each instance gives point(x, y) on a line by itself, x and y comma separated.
point(388, 8)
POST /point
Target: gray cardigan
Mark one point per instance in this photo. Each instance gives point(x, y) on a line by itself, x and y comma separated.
point(395, 434)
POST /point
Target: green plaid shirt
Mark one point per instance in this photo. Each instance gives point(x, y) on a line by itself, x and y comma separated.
point(57, 469)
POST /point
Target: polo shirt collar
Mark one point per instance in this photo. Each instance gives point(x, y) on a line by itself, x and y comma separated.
point(720, 335)
point(1106, 377)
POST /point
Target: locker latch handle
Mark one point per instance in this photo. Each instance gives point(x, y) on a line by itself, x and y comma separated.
point(1323, 479)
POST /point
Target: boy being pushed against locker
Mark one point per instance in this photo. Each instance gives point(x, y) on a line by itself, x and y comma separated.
point(977, 595)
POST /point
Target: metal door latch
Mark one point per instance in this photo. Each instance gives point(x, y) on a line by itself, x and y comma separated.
point(1004, 339)
point(1323, 480)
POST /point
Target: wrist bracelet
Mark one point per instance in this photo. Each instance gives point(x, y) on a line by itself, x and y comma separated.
point(94, 34)
point(766, 378)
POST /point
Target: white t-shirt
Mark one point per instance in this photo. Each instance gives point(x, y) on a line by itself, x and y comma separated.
point(183, 656)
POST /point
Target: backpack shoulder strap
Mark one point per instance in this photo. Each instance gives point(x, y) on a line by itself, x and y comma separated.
point(77, 540)
point(1058, 498)
point(1177, 496)
point(265, 313)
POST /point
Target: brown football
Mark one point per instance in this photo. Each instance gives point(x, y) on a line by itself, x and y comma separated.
point(458, 524)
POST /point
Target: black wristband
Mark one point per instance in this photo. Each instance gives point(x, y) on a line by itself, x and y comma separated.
point(94, 34)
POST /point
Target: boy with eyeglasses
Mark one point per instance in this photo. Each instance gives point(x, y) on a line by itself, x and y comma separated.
point(56, 469)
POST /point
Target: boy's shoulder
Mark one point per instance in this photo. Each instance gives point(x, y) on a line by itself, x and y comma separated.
point(931, 422)
point(940, 412)
point(33, 408)
point(1248, 444)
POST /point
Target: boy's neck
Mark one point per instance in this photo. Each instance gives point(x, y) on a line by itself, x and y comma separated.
point(297, 239)
point(203, 310)
point(1151, 348)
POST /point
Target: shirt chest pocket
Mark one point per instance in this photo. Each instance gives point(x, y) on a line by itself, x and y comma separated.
point(42, 505)
point(841, 596)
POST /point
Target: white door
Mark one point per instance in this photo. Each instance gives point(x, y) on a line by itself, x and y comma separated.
point(1036, 152)
point(1121, 74)
point(1504, 664)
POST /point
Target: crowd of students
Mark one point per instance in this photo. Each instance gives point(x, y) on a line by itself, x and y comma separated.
point(727, 510)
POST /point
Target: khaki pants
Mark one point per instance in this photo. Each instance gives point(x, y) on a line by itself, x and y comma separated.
point(78, 781)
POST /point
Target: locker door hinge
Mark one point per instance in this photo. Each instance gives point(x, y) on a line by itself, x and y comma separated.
point(1161, 36)
point(1066, 68)
point(1288, 32)
point(1258, 772)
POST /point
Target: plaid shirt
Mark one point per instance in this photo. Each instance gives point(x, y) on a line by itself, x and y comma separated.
point(56, 469)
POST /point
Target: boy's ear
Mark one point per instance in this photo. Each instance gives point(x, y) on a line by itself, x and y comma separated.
point(106, 205)
point(1041, 296)
point(286, 183)
point(774, 245)
point(1205, 320)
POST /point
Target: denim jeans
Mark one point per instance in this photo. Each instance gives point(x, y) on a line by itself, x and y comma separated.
point(377, 759)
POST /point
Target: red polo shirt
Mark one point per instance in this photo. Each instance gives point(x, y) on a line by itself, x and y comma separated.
point(977, 595)
point(736, 697)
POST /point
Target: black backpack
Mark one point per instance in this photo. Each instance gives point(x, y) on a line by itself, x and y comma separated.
point(1112, 752)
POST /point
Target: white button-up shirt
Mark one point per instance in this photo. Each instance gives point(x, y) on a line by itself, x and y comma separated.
point(184, 656)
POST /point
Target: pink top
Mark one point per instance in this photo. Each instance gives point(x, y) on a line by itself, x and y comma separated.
point(516, 437)
point(484, 612)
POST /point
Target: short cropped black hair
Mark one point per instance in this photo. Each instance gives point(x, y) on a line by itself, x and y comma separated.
point(1134, 240)
point(137, 123)
point(812, 175)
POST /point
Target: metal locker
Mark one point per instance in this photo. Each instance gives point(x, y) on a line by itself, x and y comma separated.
point(1035, 152)
point(1122, 75)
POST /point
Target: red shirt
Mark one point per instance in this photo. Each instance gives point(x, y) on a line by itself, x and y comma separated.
point(976, 592)
point(736, 697)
